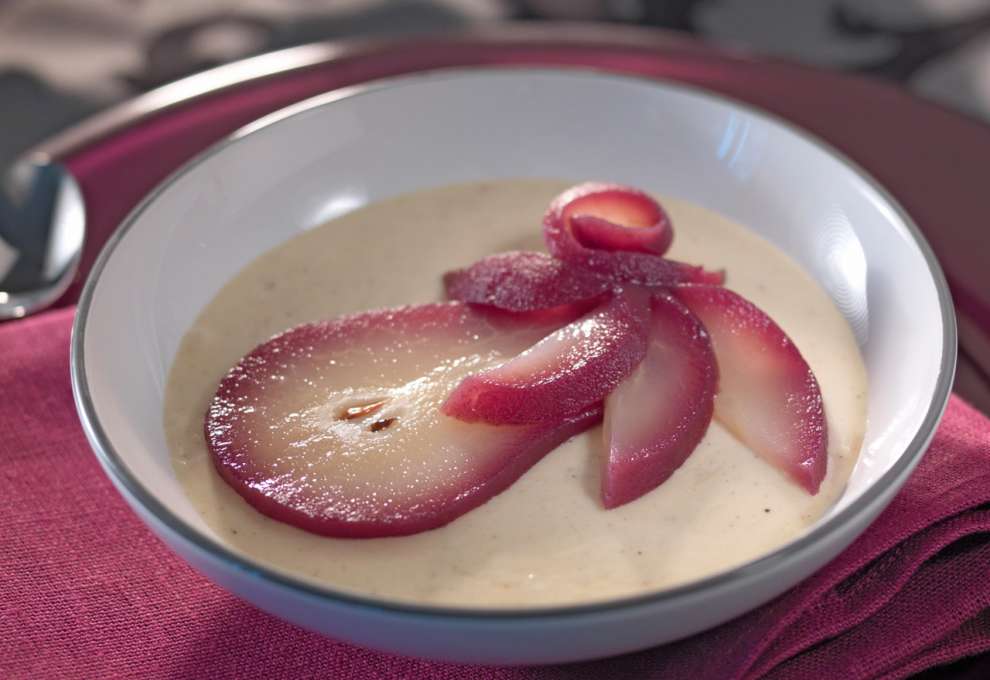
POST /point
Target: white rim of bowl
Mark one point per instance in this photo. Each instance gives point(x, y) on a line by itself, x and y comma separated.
point(115, 466)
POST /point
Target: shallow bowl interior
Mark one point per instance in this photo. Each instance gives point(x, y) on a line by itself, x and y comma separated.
point(294, 170)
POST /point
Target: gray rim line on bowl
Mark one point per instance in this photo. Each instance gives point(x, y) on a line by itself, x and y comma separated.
point(115, 465)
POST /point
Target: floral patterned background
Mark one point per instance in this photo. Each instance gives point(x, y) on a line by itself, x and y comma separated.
point(63, 59)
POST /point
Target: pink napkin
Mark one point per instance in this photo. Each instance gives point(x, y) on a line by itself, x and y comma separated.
point(88, 592)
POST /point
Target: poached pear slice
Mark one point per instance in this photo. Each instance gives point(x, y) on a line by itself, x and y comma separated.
point(522, 281)
point(616, 217)
point(768, 396)
point(563, 374)
point(657, 416)
point(336, 427)
point(622, 266)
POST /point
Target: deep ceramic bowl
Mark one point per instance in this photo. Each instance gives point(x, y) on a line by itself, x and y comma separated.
point(292, 169)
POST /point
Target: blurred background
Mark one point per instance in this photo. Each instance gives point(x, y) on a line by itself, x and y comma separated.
point(61, 60)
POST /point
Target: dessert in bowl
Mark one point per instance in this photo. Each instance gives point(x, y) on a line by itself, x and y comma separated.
point(404, 388)
point(312, 214)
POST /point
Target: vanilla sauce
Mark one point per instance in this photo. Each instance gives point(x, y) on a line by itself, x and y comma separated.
point(547, 539)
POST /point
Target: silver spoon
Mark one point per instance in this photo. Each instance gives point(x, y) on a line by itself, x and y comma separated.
point(42, 227)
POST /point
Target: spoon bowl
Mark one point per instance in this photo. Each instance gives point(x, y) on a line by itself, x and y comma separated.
point(42, 227)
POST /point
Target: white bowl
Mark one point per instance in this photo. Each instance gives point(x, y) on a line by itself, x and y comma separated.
point(287, 171)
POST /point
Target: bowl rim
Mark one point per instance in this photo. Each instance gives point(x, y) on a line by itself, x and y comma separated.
point(119, 472)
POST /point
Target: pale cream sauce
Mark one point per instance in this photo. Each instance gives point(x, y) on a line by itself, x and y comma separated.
point(547, 539)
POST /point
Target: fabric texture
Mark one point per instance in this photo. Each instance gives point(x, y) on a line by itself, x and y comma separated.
point(89, 592)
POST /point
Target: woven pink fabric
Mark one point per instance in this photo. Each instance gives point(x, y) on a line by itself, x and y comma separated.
point(88, 592)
